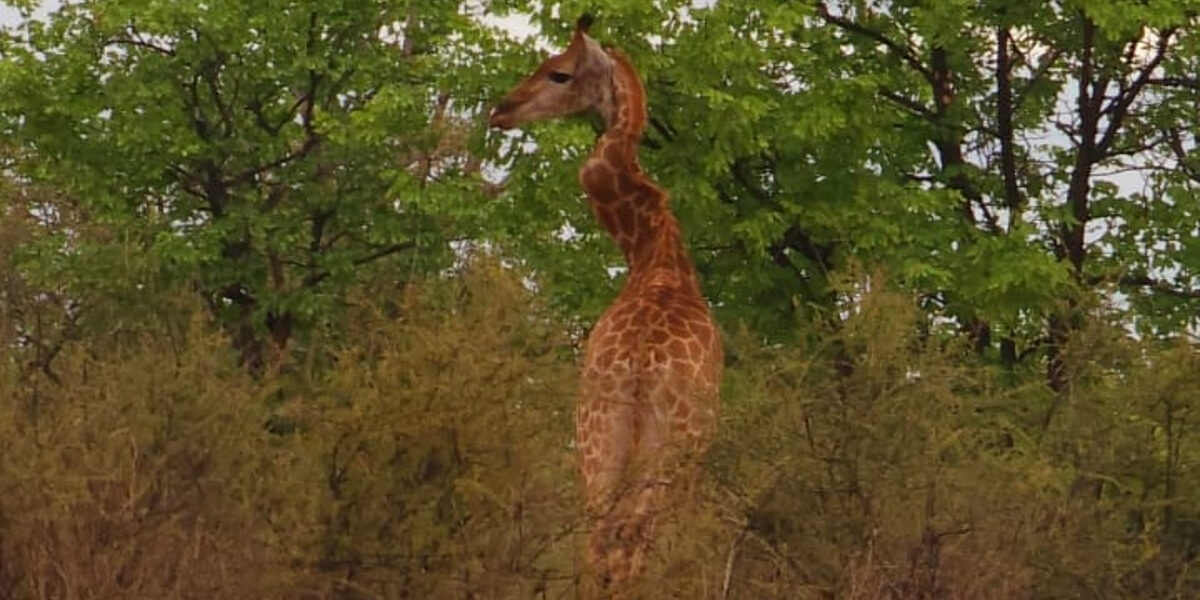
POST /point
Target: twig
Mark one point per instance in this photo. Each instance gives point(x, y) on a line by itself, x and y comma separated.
point(139, 43)
point(730, 560)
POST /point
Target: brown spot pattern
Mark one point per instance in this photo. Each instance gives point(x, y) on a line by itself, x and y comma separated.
point(653, 362)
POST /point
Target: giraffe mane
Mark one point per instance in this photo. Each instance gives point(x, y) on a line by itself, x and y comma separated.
point(635, 103)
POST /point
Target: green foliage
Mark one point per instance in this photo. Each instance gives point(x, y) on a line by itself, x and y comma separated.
point(278, 318)
point(273, 154)
point(268, 153)
point(798, 140)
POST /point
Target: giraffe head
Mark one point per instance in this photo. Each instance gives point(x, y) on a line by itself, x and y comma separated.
point(576, 81)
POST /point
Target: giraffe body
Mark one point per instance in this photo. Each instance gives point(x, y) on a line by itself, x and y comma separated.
point(653, 361)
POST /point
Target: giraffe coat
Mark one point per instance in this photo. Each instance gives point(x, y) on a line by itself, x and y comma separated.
point(653, 361)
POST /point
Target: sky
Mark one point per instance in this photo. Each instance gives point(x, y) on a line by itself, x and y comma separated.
point(11, 16)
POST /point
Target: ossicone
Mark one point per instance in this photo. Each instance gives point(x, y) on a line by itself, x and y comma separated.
point(585, 22)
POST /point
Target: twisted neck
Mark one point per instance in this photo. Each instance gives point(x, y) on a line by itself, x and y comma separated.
point(628, 205)
point(627, 115)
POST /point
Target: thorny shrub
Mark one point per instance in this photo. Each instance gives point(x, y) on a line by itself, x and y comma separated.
point(422, 449)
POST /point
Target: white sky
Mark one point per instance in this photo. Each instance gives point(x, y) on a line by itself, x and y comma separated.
point(11, 16)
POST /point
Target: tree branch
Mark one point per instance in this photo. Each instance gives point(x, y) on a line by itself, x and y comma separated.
point(1118, 109)
point(140, 43)
point(1158, 285)
point(315, 277)
point(199, 120)
point(904, 53)
point(1191, 83)
point(305, 106)
point(738, 170)
point(1037, 73)
point(385, 251)
point(1004, 123)
point(248, 175)
point(663, 128)
point(1181, 155)
point(916, 108)
point(212, 74)
point(1088, 105)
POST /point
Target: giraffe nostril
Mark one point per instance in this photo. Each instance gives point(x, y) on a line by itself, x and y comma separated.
point(501, 115)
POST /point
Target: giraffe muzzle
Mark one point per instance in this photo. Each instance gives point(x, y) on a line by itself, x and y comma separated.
point(501, 116)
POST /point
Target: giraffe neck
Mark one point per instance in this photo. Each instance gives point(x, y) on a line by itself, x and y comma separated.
point(628, 205)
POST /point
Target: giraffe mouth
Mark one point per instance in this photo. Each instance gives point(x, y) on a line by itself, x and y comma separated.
point(502, 117)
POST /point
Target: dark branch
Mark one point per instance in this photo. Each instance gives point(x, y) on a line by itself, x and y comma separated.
point(1191, 83)
point(780, 258)
point(140, 44)
point(212, 77)
point(904, 53)
point(663, 128)
point(796, 239)
point(1118, 109)
point(1043, 68)
point(740, 169)
point(260, 118)
point(1182, 157)
point(911, 105)
point(1004, 122)
point(385, 251)
point(1088, 105)
point(316, 243)
point(199, 121)
point(315, 277)
point(249, 175)
point(1158, 285)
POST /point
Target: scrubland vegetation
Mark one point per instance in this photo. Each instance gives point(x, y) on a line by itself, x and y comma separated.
point(424, 450)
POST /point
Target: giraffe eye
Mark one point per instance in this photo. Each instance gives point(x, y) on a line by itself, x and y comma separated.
point(559, 77)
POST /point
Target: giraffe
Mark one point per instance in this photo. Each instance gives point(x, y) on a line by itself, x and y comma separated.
point(653, 362)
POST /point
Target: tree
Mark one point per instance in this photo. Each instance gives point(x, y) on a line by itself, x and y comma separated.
point(268, 154)
point(989, 154)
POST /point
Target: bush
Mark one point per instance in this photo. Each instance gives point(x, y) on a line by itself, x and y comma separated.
point(882, 466)
point(439, 444)
point(422, 449)
point(432, 459)
point(140, 473)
